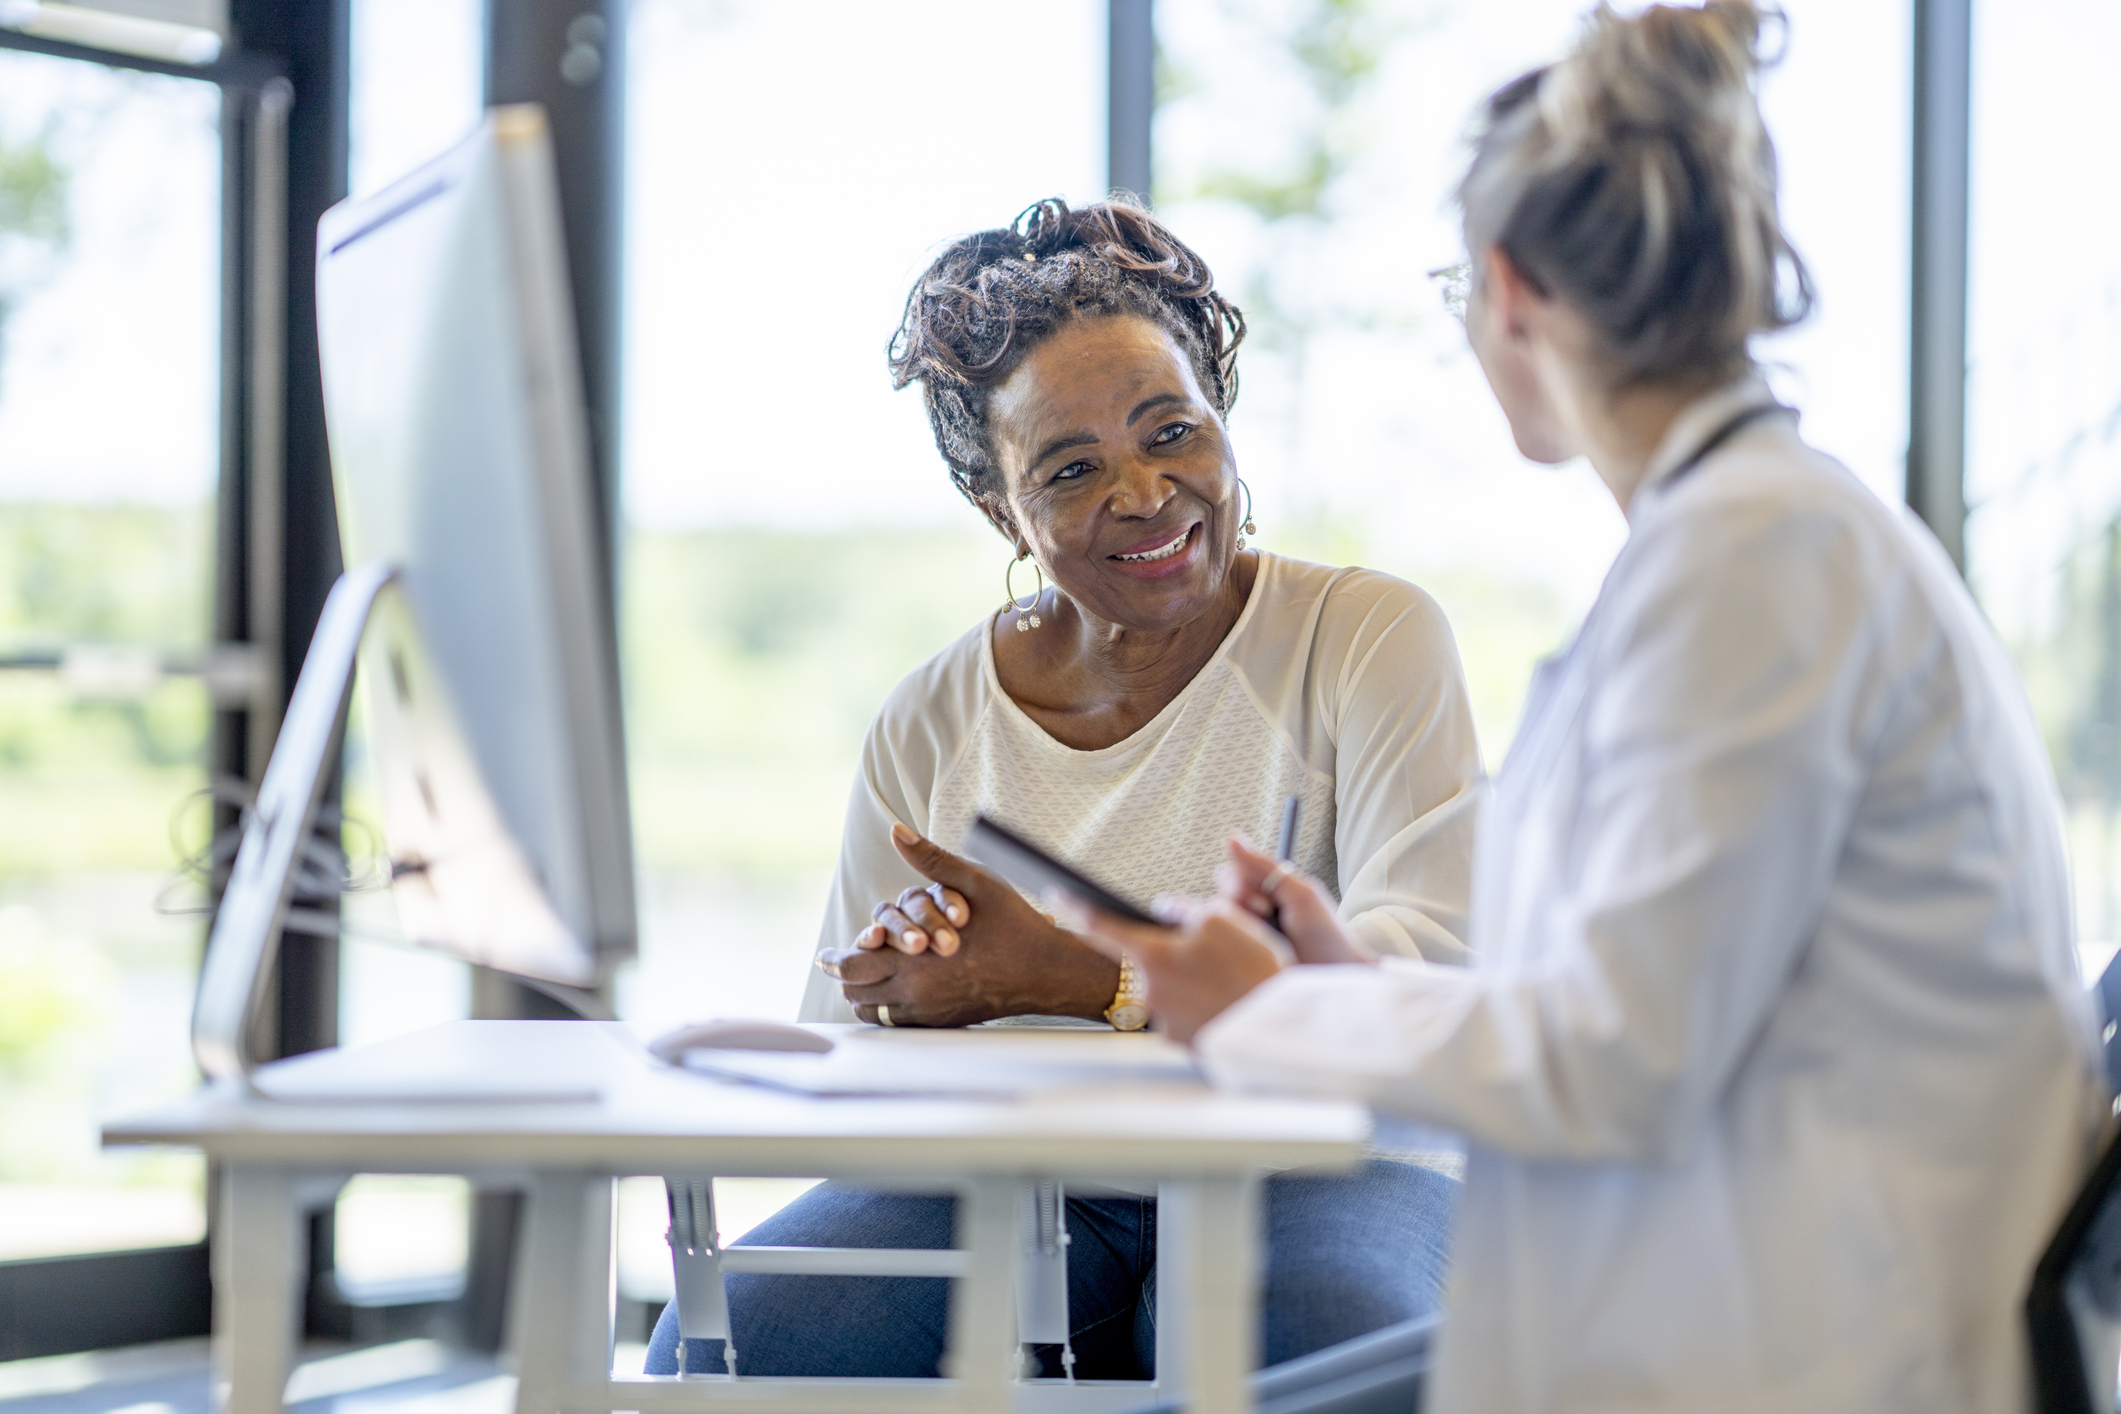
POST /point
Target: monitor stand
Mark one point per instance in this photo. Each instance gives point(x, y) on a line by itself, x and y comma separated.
point(247, 926)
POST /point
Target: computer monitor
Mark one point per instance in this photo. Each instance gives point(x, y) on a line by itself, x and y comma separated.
point(475, 597)
point(461, 455)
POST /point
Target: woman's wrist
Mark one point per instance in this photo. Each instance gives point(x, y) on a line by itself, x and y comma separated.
point(1074, 982)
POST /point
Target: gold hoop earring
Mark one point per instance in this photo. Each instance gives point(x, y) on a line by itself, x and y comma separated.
point(1245, 527)
point(1027, 617)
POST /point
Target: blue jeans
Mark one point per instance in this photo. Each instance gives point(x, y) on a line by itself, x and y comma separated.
point(1347, 1254)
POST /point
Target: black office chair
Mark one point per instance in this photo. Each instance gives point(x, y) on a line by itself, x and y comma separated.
point(2073, 1312)
point(1378, 1373)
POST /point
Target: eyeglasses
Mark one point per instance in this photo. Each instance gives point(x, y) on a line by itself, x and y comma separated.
point(1455, 284)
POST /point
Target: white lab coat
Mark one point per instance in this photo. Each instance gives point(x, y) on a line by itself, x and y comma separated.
point(1774, 1065)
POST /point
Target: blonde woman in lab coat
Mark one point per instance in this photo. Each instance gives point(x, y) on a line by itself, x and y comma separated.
point(1774, 1065)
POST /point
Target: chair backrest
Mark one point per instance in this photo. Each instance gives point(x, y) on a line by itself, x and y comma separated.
point(2073, 1312)
point(2109, 992)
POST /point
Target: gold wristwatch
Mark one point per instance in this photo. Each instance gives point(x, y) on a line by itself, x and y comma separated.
point(1130, 1004)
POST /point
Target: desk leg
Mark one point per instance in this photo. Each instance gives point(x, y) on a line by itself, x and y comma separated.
point(561, 1305)
point(259, 1260)
point(1207, 1292)
point(982, 1352)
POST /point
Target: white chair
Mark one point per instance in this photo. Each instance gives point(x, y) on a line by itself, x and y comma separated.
point(700, 1263)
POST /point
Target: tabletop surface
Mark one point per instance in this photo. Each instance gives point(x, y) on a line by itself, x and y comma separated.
point(636, 1115)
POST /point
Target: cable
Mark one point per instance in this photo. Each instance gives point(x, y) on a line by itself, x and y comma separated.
point(324, 870)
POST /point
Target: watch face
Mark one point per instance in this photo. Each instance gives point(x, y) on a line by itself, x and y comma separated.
point(1128, 1016)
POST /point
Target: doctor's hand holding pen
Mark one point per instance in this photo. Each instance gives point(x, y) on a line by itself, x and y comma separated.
point(1297, 904)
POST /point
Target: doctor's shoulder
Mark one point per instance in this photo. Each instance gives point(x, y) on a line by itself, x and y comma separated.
point(1768, 553)
point(1787, 507)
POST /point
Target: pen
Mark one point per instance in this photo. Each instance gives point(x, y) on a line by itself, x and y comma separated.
point(1284, 854)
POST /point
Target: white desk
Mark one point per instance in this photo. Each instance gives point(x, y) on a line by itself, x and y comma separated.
point(1204, 1151)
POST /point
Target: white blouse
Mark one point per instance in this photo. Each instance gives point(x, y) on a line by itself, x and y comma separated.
point(1774, 1062)
point(1341, 686)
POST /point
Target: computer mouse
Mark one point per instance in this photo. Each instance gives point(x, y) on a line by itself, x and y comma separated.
point(735, 1034)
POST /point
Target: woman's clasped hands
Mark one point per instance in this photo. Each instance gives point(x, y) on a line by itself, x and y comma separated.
point(965, 948)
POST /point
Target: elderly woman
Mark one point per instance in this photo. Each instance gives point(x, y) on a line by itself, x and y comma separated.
point(1163, 688)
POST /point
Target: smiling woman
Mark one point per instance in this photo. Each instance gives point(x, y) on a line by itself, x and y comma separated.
point(1170, 689)
point(1078, 367)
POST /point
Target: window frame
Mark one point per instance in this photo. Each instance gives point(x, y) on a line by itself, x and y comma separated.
point(283, 160)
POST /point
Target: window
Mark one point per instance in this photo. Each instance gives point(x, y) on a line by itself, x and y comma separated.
point(1309, 149)
point(794, 545)
point(110, 250)
point(2043, 476)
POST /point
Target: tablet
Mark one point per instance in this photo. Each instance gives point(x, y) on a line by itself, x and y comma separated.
point(1034, 871)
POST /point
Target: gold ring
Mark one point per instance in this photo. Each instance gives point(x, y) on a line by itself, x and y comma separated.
point(883, 1016)
point(1275, 878)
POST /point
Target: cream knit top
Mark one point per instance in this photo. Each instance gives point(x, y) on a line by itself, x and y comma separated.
point(1339, 685)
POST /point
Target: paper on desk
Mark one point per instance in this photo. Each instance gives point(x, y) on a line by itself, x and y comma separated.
point(958, 1065)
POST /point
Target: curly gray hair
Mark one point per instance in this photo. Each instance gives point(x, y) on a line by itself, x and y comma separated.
point(989, 299)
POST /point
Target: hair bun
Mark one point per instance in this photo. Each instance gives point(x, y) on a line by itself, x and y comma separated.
point(1666, 72)
point(1635, 179)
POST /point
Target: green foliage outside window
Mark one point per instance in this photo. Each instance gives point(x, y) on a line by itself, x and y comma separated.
point(33, 218)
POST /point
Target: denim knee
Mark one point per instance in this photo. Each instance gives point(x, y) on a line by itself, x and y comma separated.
point(1348, 1254)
